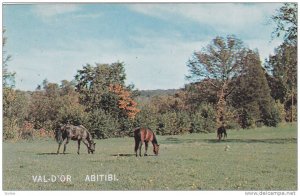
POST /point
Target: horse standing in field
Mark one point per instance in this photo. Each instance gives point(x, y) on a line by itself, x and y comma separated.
point(144, 135)
point(79, 133)
point(221, 130)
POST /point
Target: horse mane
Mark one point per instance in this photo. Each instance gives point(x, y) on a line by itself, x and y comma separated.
point(89, 135)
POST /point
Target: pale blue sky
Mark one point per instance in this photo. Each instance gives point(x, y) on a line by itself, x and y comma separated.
point(154, 41)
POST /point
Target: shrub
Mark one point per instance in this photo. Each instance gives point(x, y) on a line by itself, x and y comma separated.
point(10, 129)
point(73, 114)
point(26, 131)
point(101, 124)
point(146, 118)
point(173, 123)
point(203, 120)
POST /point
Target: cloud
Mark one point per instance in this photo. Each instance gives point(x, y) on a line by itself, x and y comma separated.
point(53, 14)
point(160, 63)
point(50, 10)
point(226, 17)
point(154, 58)
point(264, 46)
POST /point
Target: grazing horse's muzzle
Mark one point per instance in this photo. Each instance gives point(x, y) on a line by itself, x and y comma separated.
point(92, 147)
point(156, 149)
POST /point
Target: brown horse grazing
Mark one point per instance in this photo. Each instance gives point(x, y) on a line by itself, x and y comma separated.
point(79, 133)
point(220, 132)
point(142, 135)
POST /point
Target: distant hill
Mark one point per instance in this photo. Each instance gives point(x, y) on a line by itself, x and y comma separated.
point(152, 93)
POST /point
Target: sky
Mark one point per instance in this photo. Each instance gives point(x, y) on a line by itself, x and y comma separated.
point(154, 40)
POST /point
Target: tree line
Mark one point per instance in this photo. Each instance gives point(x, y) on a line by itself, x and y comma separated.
point(228, 85)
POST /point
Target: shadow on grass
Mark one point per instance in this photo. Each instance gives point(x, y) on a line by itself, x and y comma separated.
point(123, 155)
point(171, 140)
point(267, 141)
point(129, 155)
point(51, 153)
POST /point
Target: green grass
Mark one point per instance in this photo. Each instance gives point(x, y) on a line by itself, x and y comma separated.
point(256, 159)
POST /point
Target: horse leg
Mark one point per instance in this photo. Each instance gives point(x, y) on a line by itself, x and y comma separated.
point(219, 136)
point(87, 145)
point(140, 148)
point(78, 146)
point(65, 146)
point(59, 144)
point(136, 147)
point(146, 148)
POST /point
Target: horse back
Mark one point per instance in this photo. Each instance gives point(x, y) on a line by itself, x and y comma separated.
point(73, 132)
point(221, 130)
point(80, 132)
point(143, 134)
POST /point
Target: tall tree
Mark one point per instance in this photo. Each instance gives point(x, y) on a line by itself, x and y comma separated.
point(286, 20)
point(251, 97)
point(93, 84)
point(283, 64)
point(218, 63)
point(8, 78)
point(10, 97)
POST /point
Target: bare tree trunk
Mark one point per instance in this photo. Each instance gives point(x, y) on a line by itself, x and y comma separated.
point(221, 106)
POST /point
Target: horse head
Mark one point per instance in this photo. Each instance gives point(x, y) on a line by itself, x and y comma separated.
point(92, 147)
point(155, 149)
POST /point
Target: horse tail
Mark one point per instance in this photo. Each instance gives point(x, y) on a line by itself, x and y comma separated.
point(58, 136)
point(136, 132)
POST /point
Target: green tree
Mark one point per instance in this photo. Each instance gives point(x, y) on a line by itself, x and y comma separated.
point(147, 117)
point(286, 20)
point(93, 84)
point(102, 124)
point(283, 64)
point(198, 93)
point(97, 88)
point(10, 97)
point(54, 104)
point(203, 120)
point(218, 64)
point(283, 67)
point(8, 78)
point(251, 96)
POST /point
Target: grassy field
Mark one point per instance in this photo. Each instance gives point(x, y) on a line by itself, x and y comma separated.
point(264, 158)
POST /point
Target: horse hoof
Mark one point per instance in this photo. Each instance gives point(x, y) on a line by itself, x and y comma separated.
point(145, 155)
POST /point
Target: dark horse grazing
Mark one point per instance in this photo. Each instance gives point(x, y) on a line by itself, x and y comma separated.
point(220, 132)
point(79, 133)
point(142, 135)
